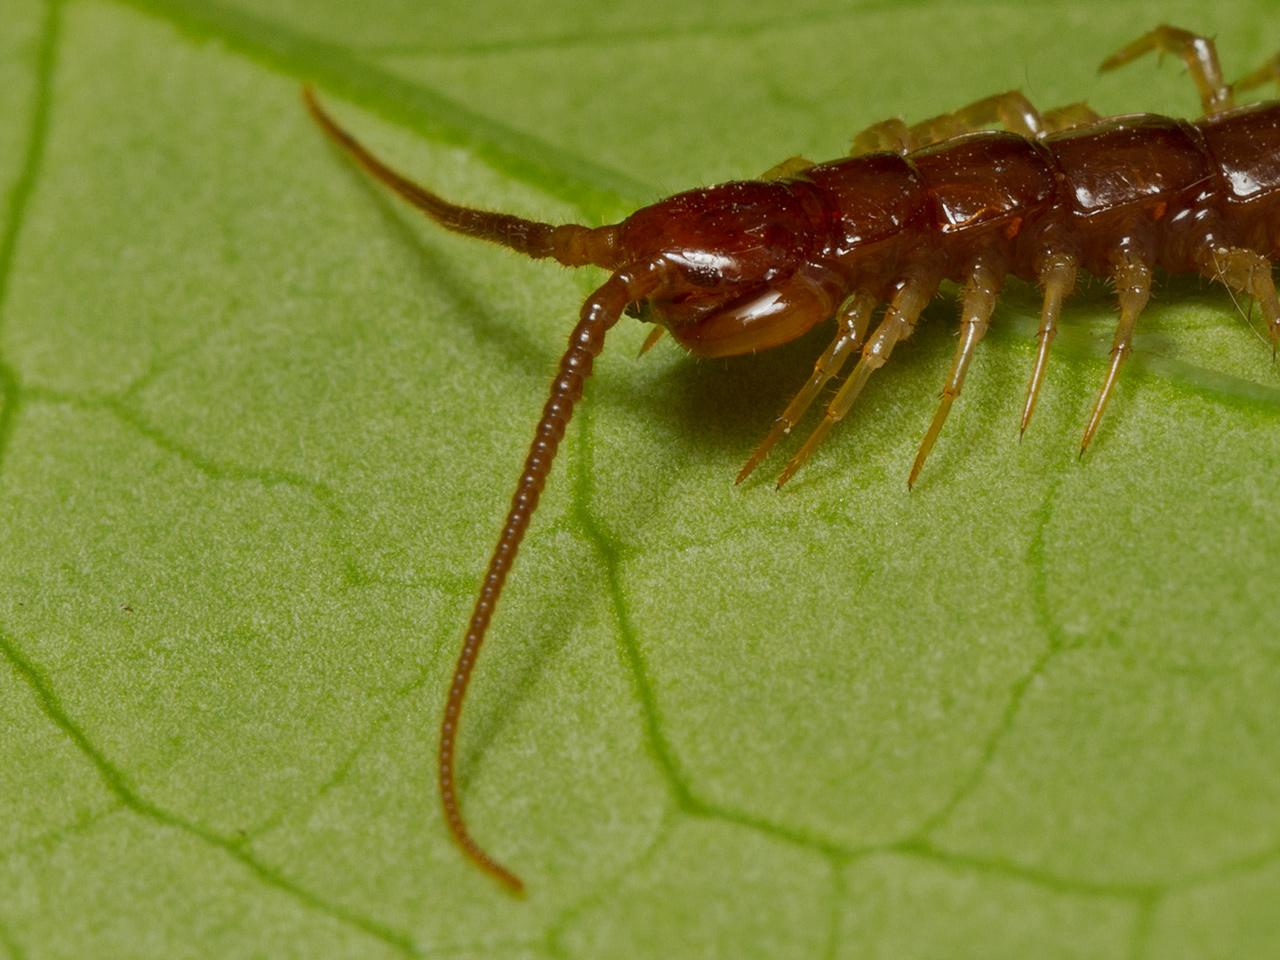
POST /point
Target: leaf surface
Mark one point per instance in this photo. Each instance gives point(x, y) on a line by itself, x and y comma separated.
point(259, 425)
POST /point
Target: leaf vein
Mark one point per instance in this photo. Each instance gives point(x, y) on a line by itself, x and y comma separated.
point(595, 189)
point(1142, 923)
point(344, 767)
point(37, 136)
point(625, 36)
point(1036, 559)
point(117, 783)
point(20, 200)
point(601, 892)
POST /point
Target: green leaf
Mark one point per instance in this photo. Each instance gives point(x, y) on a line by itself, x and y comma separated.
point(259, 424)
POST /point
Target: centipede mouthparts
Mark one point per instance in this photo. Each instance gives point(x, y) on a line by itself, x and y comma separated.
point(745, 266)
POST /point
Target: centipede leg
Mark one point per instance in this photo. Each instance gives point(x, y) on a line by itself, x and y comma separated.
point(980, 293)
point(787, 168)
point(1072, 115)
point(1011, 110)
point(1132, 275)
point(899, 321)
point(852, 321)
point(1266, 73)
point(651, 340)
point(1057, 276)
point(1249, 273)
point(889, 135)
point(1199, 53)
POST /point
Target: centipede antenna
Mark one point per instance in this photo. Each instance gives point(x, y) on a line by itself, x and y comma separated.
point(600, 312)
point(572, 244)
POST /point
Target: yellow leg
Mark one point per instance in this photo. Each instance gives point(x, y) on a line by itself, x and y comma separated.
point(1199, 53)
point(851, 327)
point(1072, 115)
point(1132, 276)
point(887, 135)
point(1010, 110)
point(652, 339)
point(1266, 73)
point(980, 293)
point(1057, 275)
point(898, 323)
point(787, 168)
point(1248, 273)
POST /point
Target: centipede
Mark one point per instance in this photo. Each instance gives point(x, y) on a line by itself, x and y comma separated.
point(993, 190)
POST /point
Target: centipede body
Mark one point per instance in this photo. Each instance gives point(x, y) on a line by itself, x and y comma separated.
point(746, 266)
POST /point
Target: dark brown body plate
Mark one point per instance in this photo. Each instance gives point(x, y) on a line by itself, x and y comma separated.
point(1143, 179)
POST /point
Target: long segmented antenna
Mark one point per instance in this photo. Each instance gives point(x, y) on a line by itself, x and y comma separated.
point(572, 245)
point(600, 312)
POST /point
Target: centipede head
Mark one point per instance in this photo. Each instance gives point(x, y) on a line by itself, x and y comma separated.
point(739, 272)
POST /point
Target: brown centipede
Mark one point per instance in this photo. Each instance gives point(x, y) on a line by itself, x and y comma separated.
point(747, 265)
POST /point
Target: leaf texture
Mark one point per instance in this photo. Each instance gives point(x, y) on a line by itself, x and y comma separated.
point(258, 425)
